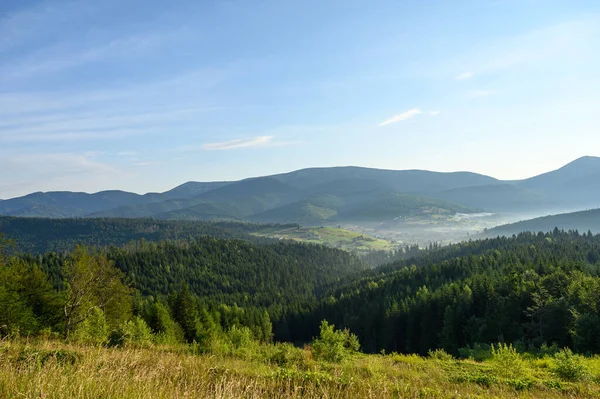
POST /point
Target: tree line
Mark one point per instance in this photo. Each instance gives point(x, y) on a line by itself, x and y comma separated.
point(530, 290)
point(181, 290)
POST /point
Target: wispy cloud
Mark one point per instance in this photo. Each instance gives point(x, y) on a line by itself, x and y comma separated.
point(254, 142)
point(401, 117)
point(434, 113)
point(59, 58)
point(465, 76)
point(102, 124)
point(567, 40)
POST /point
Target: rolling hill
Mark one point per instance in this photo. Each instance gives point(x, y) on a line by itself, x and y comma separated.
point(319, 195)
point(39, 235)
point(576, 184)
point(309, 212)
point(497, 197)
point(361, 208)
point(235, 201)
point(60, 204)
point(409, 181)
point(582, 221)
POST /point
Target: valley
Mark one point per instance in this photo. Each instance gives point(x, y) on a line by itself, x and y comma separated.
point(299, 199)
point(311, 281)
point(410, 206)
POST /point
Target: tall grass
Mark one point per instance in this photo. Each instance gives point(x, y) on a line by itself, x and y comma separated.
point(54, 369)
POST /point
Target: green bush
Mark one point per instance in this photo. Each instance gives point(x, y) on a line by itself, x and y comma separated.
point(93, 330)
point(237, 342)
point(440, 354)
point(521, 384)
point(287, 355)
point(568, 366)
point(134, 332)
point(334, 345)
point(240, 337)
point(508, 361)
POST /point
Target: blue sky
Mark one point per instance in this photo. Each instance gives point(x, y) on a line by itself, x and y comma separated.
point(145, 95)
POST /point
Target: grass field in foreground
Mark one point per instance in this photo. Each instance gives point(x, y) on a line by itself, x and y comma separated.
point(53, 369)
point(332, 237)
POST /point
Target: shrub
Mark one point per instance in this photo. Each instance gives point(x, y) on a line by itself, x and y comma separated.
point(521, 384)
point(238, 342)
point(569, 366)
point(287, 355)
point(240, 337)
point(93, 330)
point(509, 363)
point(334, 345)
point(134, 332)
point(440, 354)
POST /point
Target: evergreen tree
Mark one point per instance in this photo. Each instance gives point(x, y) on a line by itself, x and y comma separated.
point(185, 313)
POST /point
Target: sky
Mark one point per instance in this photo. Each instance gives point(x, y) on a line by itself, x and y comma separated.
point(145, 95)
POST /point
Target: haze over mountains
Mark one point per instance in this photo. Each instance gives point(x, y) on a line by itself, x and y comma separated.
point(333, 195)
point(583, 221)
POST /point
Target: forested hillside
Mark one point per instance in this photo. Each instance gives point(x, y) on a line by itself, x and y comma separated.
point(219, 278)
point(229, 272)
point(533, 293)
point(583, 221)
point(39, 235)
point(529, 290)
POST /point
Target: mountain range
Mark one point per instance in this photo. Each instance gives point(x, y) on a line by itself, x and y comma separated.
point(331, 195)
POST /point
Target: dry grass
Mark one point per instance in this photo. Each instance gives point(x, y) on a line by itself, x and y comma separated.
point(57, 370)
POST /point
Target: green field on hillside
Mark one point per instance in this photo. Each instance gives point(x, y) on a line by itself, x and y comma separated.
point(330, 236)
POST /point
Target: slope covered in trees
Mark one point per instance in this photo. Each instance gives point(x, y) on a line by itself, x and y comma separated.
point(204, 280)
point(529, 289)
point(39, 235)
point(582, 221)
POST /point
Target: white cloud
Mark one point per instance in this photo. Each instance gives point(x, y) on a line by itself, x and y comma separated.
point(254, 142)
point(465, 76)
point(401, 117)
point(434, 113)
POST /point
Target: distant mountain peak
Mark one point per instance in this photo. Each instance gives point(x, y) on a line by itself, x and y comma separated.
point(586, 161)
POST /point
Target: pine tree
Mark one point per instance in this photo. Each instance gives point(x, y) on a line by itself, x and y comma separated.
point(185, 313)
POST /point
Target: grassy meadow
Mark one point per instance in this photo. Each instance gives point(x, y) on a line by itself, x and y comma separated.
point(54, 369)
point(330, 236)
